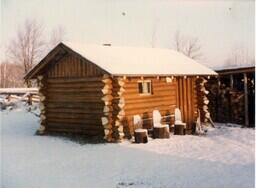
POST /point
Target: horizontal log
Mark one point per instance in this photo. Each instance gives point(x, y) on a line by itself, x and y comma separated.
point(107, 132)
point(93, 106)
point(77, 131)
point(136, 96)
point(148, 110)
point(75, 99)
point(121, 113)
point(74, 126)
point(77, 85)
point(155, 88)
point(74, 110)
point(120, 129)
point(166, 99)
point(76, 94)
point(106, 91)
point(107, 126)
point(91, 122)
point(107, 98)
point(42, 98)
point(72, 115)
point(121, 83)
point(105, 76)
point(107, 81)
point(41, 128)
point(121, 105)
point(74, 80)
point(118, 123)
point(41, 106)
point(104, 120)
point(129, 86)
point(107, 109)
point(72, 90)
point(42, 117)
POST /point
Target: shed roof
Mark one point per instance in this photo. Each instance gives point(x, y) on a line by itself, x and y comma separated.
point(133, 61)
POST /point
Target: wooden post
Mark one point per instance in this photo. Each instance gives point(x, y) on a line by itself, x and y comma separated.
point(231, 82)
point(218, 97)
point(246, 116)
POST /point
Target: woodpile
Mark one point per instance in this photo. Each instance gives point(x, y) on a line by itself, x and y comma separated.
point(106, 119)
point(212, 87)
point(237, 107)
point(41, 93)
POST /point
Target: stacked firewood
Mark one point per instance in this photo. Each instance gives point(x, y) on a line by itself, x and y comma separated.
point(212, 87)
point(237, 107)
point(107, 111)
point(41, 93)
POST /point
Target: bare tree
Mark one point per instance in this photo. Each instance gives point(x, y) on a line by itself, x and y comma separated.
point(154, 34)
point(57, 36)
point(189, 46)
point(28, 46)
point(10, 75)
point(239, 56)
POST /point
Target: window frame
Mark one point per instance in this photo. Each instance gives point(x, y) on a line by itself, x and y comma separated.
point(142, 82)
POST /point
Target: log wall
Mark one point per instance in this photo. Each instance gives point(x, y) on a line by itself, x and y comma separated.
point(187, 99)
point(73, 97)
point(163, 98)
point(72, 66)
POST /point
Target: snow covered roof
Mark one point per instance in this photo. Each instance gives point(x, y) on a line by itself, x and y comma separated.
point(132, 61)
point(140, 61)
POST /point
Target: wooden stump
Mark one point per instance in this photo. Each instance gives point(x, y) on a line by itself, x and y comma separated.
point(141, 136)
point(179, 129)
point(161, 131)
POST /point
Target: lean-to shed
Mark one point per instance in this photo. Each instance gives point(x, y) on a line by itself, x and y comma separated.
point(96, 90)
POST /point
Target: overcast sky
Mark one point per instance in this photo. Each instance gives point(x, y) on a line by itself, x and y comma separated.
point(220, 25)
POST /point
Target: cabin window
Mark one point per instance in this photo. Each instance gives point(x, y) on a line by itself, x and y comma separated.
point(145, 87)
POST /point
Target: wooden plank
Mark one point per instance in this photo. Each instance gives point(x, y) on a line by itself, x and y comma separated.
point(246, 100)
point(193, 109)
point(177, 95)
point(181, 95)
point(231, 81)
point(189, 107)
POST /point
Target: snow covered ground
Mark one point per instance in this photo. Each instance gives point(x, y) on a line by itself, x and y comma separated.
point(223, 158)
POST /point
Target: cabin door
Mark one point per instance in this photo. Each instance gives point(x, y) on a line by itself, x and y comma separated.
point(185, 99)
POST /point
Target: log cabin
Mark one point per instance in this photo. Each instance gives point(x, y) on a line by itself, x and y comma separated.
point(96, 90)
